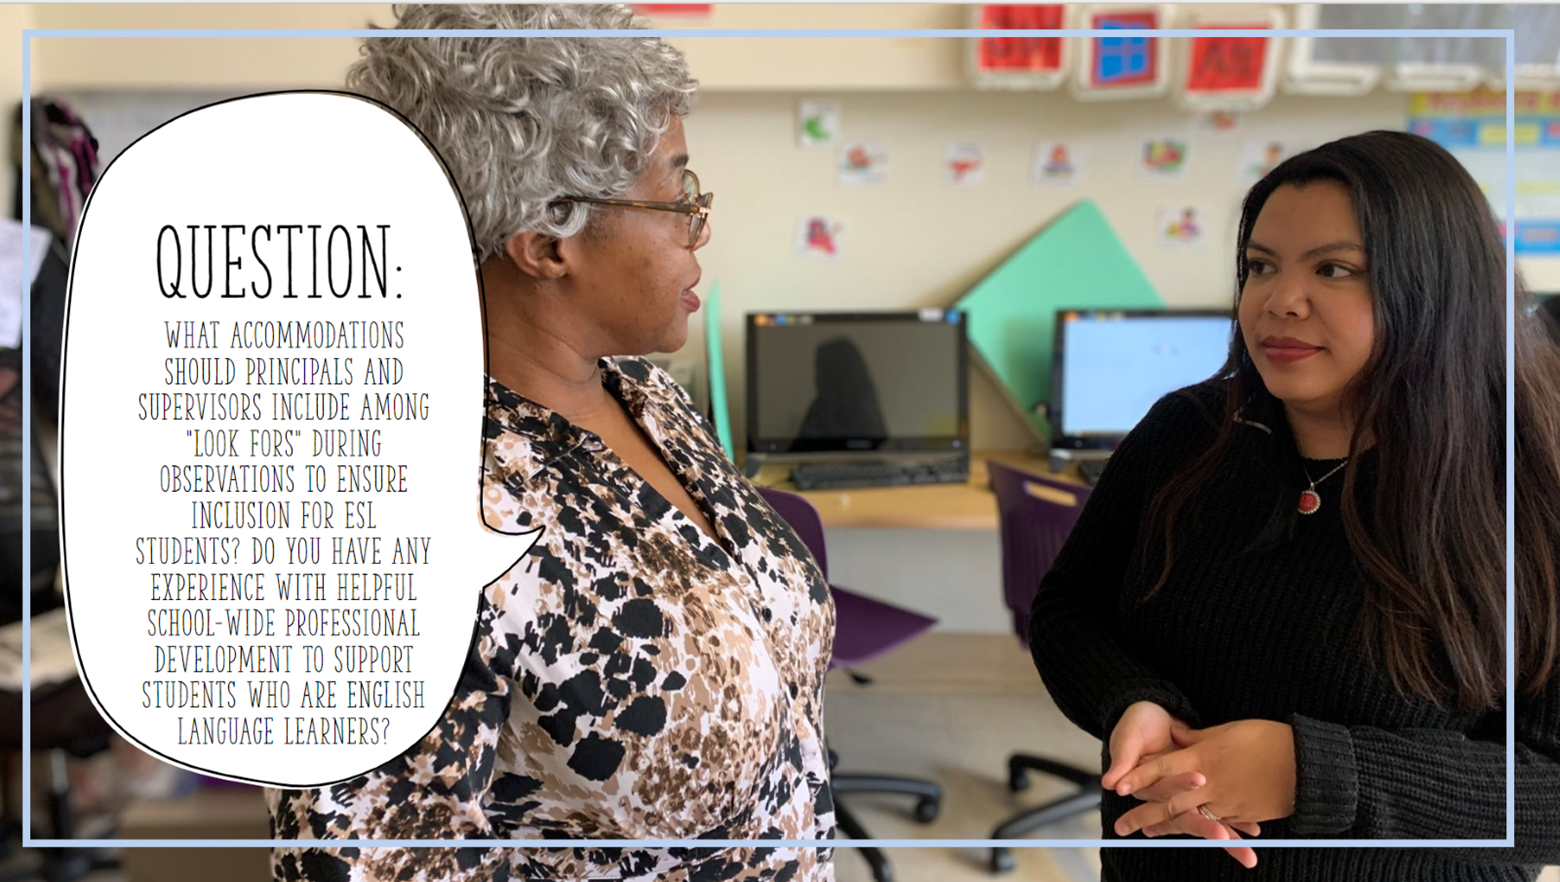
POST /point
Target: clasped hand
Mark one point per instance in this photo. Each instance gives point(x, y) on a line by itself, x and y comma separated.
point(1242, 772)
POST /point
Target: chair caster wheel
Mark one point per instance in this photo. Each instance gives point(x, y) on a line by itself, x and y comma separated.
point(926, 810)
point(1002, 861)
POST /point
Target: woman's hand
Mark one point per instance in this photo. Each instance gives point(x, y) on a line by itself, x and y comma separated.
point(1143, 735)
point(1194, 823)
point(1249, 772)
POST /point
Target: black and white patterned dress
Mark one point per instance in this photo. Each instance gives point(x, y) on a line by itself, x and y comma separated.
point(631, 678)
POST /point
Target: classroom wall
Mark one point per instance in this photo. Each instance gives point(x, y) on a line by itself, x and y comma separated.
point(913, 242)
point(917, 241)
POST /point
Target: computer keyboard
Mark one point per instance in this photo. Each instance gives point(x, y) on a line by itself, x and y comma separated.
point(878, 473)
point(1091, 469)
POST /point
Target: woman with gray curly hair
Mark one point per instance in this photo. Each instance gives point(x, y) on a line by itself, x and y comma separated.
point(654, 668)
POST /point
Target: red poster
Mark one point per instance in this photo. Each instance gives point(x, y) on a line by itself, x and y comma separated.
point(1021, 54)
point(1227, 64)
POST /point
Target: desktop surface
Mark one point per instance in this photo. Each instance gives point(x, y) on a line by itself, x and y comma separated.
point(968, 505)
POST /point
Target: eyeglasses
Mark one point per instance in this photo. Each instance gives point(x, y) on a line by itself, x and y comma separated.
point(694, 204)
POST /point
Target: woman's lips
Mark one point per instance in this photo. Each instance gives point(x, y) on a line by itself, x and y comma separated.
point(1286, 350)
point(690, 300)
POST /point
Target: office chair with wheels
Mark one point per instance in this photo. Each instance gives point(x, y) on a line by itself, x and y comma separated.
point(64, 723)
point(1035, 514)
point(864, 629)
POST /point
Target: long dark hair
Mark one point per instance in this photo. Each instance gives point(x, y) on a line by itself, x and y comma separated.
point(1432, 400)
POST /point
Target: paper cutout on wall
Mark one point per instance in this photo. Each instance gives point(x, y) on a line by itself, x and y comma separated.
point(1056, 164)
point(863, 165)
point(818, 123)
point(1180, 227)
point(1164, 158)
point(1258, 158)
point(964, 164)
point(1218, 122)
point(820, 238)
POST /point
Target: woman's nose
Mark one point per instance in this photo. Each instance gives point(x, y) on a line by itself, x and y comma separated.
point(1288, 298)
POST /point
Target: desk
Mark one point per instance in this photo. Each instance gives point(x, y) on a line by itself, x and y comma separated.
point(969, 506)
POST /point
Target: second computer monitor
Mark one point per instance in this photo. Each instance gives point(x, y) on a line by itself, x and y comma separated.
point(879, 382)
point(1111, 366)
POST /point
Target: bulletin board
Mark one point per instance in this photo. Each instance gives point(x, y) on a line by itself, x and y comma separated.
point(1473, 127)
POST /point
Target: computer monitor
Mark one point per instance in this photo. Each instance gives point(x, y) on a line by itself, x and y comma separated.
point(831, 385)
point(1110, 366)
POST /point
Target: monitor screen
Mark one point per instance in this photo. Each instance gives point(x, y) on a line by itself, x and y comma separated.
point(841, 382)
point(1110, 367)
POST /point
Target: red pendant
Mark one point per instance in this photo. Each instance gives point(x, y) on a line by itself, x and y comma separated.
point(1310, 502)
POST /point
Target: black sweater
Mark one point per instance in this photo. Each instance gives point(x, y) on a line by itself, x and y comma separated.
point(1274, 635)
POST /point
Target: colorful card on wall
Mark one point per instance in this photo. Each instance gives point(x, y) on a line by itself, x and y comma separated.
point(1164, 158)
point(818, 123)
point(1225, 71)
point(1125, 61)
point(1056, 164)
point(964, 164)
point(863, 165)
point(1218, 122)
point(1257, 158)
point(1180, 227)
point(1227, 64)
point(819, 237)
point(1021, 55)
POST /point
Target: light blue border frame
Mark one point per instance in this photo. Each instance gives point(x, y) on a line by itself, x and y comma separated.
point(29, 842)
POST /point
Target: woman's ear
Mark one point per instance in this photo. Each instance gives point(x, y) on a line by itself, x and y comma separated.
point(536, 255)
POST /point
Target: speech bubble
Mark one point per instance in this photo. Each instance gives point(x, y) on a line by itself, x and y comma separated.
point(270, 441)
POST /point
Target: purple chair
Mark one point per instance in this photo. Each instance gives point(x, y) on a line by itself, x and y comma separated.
point(1035, 514)
point(864, 629)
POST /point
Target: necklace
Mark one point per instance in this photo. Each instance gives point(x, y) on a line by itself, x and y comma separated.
point(1310, 500)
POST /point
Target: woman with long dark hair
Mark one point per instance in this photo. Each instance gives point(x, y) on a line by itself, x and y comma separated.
point(1283, 609)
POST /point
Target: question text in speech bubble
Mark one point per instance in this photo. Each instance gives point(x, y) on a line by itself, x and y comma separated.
point(270, 441)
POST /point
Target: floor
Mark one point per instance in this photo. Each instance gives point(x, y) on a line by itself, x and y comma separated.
point(970, 700)
point(949, 707)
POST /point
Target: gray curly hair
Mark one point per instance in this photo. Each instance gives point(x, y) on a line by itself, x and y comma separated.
point(523, 121)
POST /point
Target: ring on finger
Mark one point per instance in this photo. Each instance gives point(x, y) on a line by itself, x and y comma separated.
point(1208, 813)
